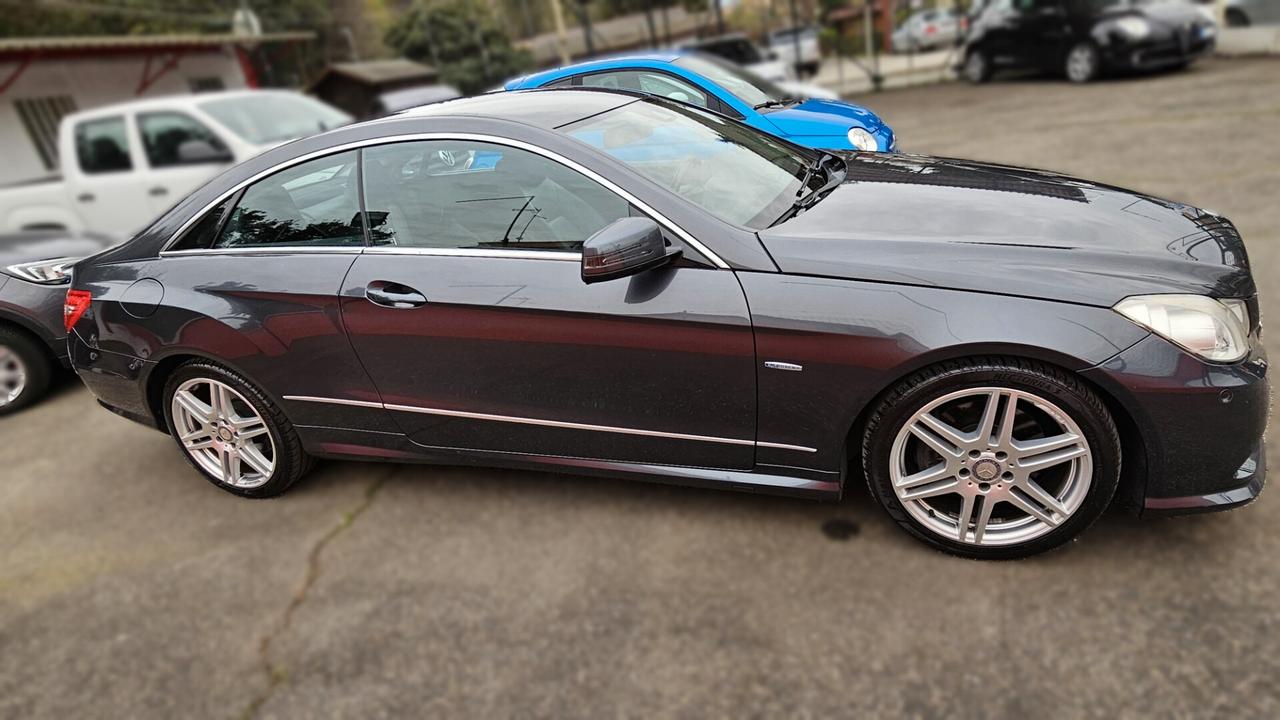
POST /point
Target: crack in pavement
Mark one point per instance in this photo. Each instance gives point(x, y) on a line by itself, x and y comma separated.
point(275, 674)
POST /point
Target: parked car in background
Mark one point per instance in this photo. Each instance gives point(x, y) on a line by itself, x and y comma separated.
point(768, 64)
point(633, 287)
point(1082, 39)
point(1243, 13)
point(927, 30)
point(34, 274)
point(784, 44)
point(124, 164)
point(716, 84)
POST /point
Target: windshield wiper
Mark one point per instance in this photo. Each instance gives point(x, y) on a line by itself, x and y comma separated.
point(776, 103)
point(804, 201)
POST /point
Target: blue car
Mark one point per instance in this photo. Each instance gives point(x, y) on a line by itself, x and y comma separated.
point(718, 85)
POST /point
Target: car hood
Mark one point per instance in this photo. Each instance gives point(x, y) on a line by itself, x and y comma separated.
point(928, 221)
point(816, 116)
point(34, 246)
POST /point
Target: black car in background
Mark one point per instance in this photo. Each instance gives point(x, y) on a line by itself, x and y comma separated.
point(1082, 39)
point(592, 282)
point(34, 273)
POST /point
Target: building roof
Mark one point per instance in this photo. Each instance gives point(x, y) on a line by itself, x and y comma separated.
point(142, 42)
point(378, 72)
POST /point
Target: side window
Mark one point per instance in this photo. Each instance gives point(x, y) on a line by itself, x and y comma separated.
point(102, 146)
point(624, 80)
point(461, 194)
point(204, 233)
point(315, 204)
point(172, 138)
point(671, 88)
point(561, 83)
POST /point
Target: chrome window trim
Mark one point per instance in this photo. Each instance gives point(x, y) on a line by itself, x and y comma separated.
point(548, 423)
point(278, 250)
point(476, 252)
point(473, 137)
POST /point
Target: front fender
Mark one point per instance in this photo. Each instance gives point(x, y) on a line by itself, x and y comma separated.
point(854, 340)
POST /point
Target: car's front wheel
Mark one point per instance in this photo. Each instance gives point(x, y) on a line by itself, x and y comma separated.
point(25, 370)
point(1083, 63)
point(992, 458)
point(977, 67)
point(231, 432)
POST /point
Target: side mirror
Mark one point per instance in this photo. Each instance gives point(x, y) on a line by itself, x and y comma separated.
point(627, 246)
point(201, 151)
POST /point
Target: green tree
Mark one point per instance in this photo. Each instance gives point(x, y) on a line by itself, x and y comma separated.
point(462, 39)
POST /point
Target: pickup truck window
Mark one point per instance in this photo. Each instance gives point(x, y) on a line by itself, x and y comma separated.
point(164, 135)
point(314, 204)
point(102, 146)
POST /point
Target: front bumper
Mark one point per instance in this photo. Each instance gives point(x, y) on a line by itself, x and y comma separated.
point(1251, 476)
point(1165, 51)
point(1196, 427)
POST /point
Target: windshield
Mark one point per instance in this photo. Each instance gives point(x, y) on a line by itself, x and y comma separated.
point(262, 119)
point(742, 83)
point(738, 174)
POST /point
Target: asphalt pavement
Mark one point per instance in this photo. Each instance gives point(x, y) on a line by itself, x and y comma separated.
point(131, 587)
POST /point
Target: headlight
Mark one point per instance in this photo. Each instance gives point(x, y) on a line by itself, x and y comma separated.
point(1134, 28)
point(1216, 330)
point(45, 272)
point(863, 140)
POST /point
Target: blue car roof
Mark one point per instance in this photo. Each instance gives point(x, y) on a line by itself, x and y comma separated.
point(651, 59)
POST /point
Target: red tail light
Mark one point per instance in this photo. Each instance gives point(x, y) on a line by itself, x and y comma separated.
point(75, 306)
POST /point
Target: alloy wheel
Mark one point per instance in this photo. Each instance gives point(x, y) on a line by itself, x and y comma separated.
point(1081, 63)
point(13, 375)
point(991, 466)
point(223, 433)
point(975, 67)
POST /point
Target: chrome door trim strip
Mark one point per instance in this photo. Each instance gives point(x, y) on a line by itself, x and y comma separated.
point(476, 137)
point(547, 423)
point(335, 401)
point(476, 252)
point(564, 424)
point(267, 250)
point(784, 446)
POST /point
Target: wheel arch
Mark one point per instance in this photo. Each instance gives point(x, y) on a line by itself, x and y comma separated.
point(161, 370)
point(1133, 450)
point(27, 327)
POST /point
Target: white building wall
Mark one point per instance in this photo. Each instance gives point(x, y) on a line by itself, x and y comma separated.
point(91, 83)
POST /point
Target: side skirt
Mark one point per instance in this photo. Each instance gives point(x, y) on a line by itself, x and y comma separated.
point(345, 444)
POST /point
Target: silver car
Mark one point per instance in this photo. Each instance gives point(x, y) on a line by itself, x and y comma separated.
point(927, 30)
point(1242, 13)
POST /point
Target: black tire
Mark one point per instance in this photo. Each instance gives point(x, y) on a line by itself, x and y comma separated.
point(1062, 388)
point(977, 67)
point(1236, 18)
point(291, 461)
point(36, 367)
point(1083, 63)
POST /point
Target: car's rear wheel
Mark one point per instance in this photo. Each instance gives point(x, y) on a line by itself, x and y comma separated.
point(992, 458)
point(25, 370)
point(1237, 18)
point(1083, 63)
point(231, 432)
point(977, 67)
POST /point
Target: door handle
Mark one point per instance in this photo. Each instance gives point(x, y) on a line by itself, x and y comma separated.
point(85, 197)
point(394, 295)
point(158, 191)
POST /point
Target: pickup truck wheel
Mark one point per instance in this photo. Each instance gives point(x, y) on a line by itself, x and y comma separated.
point(25, 370)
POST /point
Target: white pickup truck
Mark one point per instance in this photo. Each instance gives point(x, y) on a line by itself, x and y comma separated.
point(123, 165)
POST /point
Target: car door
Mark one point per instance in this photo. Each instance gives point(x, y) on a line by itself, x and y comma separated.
point(470, 314)
point(102, 176)
point(181, 154)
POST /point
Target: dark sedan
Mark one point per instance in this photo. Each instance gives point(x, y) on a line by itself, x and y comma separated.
point(33, 284)
point(1082, 39)
point(593, 282)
